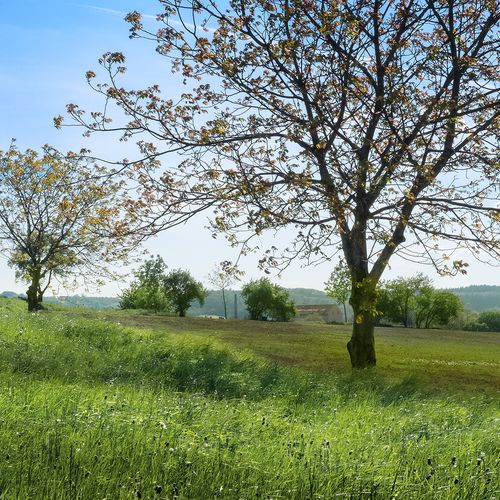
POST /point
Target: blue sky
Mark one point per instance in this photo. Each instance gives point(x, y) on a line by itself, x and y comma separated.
point(45, 49)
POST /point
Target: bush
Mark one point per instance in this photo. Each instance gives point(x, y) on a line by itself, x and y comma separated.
point(147, 290)
point(476, 326)
point(491, 319)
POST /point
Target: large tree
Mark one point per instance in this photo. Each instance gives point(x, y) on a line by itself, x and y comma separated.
point(372, 123)
point(59, 218)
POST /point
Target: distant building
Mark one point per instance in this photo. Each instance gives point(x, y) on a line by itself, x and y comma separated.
point(321, 312)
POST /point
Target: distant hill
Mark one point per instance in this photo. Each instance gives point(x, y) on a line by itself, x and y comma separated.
point(83, 301)
point(74, 300)
point(479, 297)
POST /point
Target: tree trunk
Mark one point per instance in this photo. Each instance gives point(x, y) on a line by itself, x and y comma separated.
point(34, 294)
point(361, 347)
point(345, 313)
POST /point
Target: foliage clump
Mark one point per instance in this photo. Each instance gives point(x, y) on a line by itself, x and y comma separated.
point(486, 321)
point(147, 290)
point(182, 289)
point(265, 299)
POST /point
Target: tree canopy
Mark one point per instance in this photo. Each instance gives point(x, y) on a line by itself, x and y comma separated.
point(397, 298)
point(59, 218)
point(182, 289)
point(265, 299)
point(436, 307)
point(371, 124)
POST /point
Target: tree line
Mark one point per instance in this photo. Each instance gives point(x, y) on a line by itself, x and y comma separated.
point(156, 290)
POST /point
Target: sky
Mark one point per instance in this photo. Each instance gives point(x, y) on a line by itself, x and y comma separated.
point(45, 49)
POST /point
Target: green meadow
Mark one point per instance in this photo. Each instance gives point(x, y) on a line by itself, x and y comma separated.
point(117, 405)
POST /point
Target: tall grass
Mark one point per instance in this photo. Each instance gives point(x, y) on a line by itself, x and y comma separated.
point(90, 409)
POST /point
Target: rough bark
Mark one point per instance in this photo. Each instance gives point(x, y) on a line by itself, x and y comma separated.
point(34, 293)
point(361, 347)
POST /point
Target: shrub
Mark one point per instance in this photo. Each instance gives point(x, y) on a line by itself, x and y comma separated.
point(491, 319)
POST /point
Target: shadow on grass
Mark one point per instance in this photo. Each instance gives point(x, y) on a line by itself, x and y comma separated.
point(387, 392)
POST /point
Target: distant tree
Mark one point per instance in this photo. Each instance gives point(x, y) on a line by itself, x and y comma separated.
point(397, 298)
point(182, 289)
point(436, 307)
point(338, 287)
point(258, 296)
point(223, 276)
point(60, 217)
point(147, 290)
point(262, 298)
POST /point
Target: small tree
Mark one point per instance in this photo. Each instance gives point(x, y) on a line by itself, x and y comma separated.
point(60, 216)
point(338, 287)
point(263, 297)
point(182, 289)
point(257, 295)
point(223, 276)
point(436, 307)
point(147, 290)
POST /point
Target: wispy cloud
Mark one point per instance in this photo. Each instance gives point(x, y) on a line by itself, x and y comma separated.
point(113, 12)
point(122, 14)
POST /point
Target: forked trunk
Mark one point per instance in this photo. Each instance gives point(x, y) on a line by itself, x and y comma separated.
point(361, 347)
point(34, 294)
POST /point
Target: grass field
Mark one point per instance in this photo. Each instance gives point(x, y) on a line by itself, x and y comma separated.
point(159, 407)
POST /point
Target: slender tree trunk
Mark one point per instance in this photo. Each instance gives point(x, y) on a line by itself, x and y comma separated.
point(224, 300)
point(345, 313)
point(361, 347)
